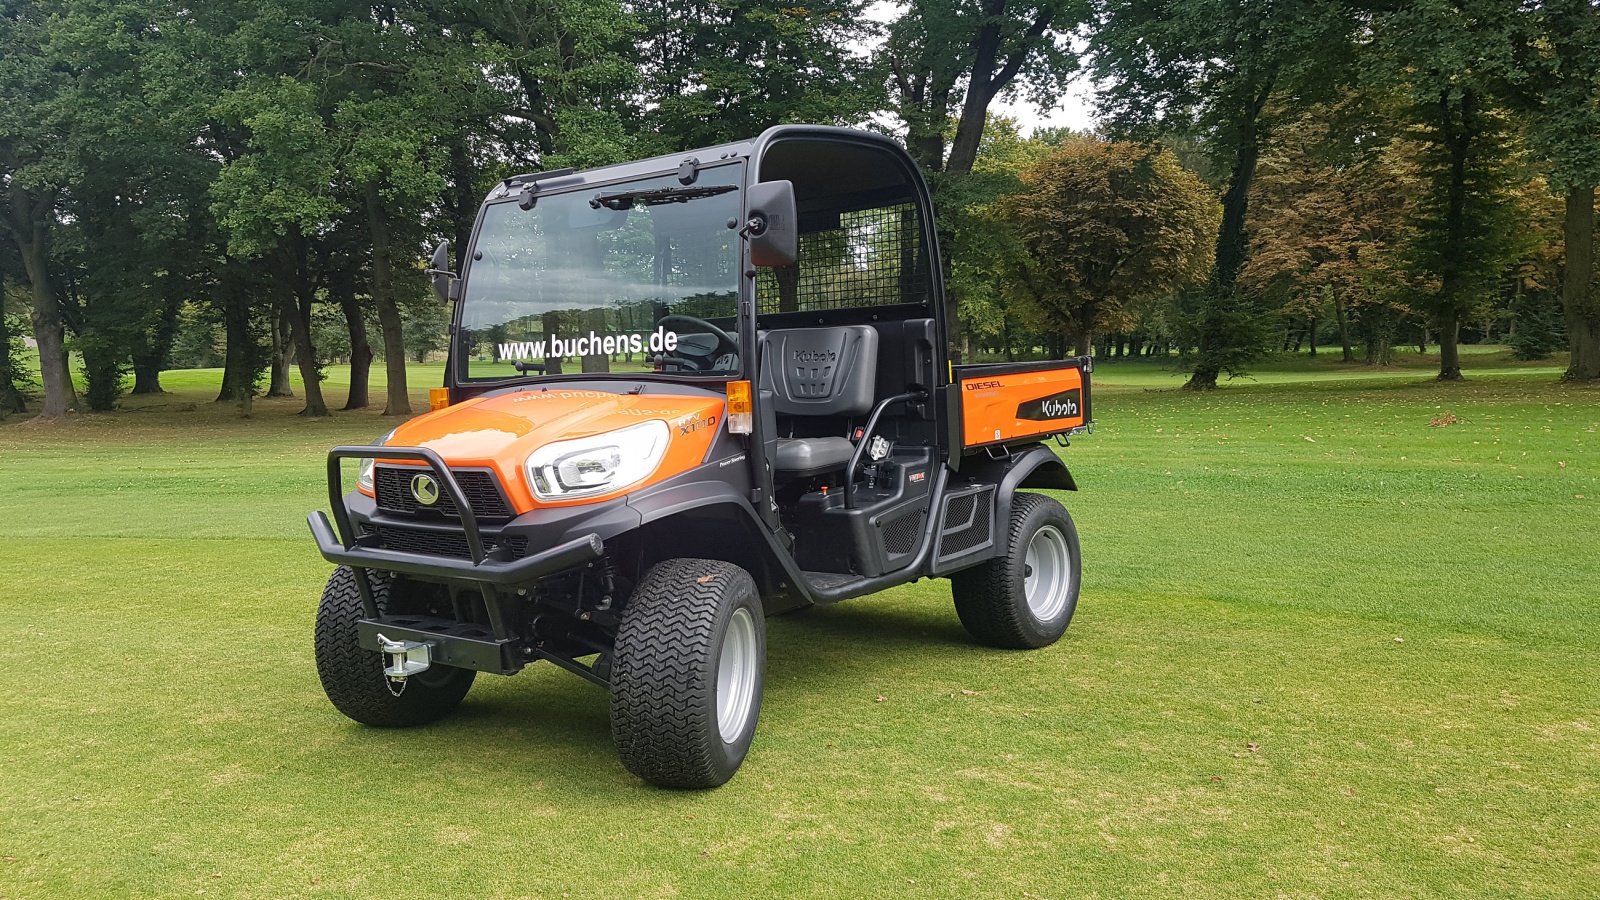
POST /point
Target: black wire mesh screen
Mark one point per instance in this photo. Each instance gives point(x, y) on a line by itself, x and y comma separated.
point(874, 257)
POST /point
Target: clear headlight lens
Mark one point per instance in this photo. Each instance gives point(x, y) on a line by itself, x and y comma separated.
point(364, 470)
point(599, 463)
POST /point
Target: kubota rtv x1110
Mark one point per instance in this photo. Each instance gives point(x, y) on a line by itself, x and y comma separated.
point(684, 394)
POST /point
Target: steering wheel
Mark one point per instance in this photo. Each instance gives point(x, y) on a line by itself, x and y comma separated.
point(726, 343)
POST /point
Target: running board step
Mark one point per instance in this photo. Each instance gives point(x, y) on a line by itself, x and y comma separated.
point(830, 582)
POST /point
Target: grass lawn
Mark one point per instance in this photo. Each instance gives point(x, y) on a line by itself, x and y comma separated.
point(1323, 649)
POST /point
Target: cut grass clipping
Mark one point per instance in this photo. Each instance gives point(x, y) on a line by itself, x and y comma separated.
point(1337, 637)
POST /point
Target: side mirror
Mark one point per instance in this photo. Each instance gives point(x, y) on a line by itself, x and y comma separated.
point(439, 270)
point(770, 224)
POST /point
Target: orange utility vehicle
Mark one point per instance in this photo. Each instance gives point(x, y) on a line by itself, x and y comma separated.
point(684, 394)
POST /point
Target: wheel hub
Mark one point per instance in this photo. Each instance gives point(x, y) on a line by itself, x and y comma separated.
point(737, 671)
point(1047, 573)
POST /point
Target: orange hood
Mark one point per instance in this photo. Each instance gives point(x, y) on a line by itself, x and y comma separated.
point(499, 432)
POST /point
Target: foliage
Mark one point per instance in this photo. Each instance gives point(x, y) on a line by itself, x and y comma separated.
point(426, 328)
point(16, 379)
point(1539, 329)
point(946, 61)
point(1106, 229)
point(197, 343)
point(719, 71)
point(1447, 59)
point(287, 161)
point(976, 248)
point(1559, 94)
point(1331, 198)
point(1226, 73)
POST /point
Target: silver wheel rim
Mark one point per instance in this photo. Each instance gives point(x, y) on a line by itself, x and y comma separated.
point(1047, 581)
point(736, 676)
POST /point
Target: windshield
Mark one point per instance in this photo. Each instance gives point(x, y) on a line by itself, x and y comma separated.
point(634, 277)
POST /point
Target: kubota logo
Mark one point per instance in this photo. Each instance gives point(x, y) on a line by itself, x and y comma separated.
point(425, 489)
point(1065, 405)
point(815, 356)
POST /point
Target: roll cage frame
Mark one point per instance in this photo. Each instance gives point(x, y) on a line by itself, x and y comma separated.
point(686, 166)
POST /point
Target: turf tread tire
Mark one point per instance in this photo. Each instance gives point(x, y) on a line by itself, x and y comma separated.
point(664, 673)
point(353, 677)
point(990, 598)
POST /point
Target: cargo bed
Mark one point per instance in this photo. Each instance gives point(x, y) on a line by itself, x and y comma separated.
point(1002, 403)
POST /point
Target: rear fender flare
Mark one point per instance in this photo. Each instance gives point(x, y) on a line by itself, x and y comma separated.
point(1031, 466)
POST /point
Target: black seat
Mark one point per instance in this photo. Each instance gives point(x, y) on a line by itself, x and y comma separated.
point(817, 372)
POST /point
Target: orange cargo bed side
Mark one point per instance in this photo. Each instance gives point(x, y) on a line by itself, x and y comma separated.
point(1006, 402)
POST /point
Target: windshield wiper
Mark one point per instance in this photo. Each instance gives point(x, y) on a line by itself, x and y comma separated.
point(621, 200)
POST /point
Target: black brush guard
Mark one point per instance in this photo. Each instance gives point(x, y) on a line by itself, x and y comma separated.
point(489, 571)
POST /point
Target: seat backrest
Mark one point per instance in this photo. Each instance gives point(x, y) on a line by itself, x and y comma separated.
point(820, 371)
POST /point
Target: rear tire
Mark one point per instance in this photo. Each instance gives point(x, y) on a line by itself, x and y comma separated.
point(687, 673)
point(353, 677)
point(1024, 599)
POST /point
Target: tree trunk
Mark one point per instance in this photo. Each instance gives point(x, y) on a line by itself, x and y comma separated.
point(394, 343)
point(1449, 346)
point(48, 330)
point(1343, 318)
point(1579, 297)
point(360, 352)
point(1458, 140)
point(31, 231)
point(296, 303)
point(239, 351)
point(1311, 336)
point(282, 347)
point(1233, 245)
point(151, 352)
point(305, 353)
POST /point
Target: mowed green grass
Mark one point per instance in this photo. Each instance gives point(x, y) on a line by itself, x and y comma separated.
point(1323, 649)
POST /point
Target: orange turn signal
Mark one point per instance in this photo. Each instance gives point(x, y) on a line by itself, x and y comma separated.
point(438, 398)
point(741, 411)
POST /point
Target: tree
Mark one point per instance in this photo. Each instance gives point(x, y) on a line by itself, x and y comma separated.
point(721, 70)
point(974, 246)
point(1106, 228)
point(272, 196)
point(947, 61)
point(1331, 199)
point(1227, 72)
point(36, 132)
point(1561, 98)
point(1449, 58)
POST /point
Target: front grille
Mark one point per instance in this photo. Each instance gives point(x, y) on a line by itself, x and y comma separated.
point(443, 543)
point(392, 484)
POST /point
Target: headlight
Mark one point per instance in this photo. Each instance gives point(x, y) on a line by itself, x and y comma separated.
point(597, 464)
point(364, 471)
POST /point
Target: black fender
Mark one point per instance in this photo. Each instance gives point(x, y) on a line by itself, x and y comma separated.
point(706, 513)
point(1028, 466)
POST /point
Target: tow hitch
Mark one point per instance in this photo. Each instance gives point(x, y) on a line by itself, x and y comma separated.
point(402, 659)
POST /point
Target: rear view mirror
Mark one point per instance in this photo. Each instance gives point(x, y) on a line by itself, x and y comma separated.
point(770, 224)
point(439, 270)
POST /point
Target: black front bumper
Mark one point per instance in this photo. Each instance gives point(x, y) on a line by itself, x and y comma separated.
point(346, 547)
point(532, 567)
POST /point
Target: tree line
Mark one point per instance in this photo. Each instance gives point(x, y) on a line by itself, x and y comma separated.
point(1264, 172)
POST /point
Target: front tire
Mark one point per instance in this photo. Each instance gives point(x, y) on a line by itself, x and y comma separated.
point(687, 673)
point(352, 676)
point(1024, 599)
